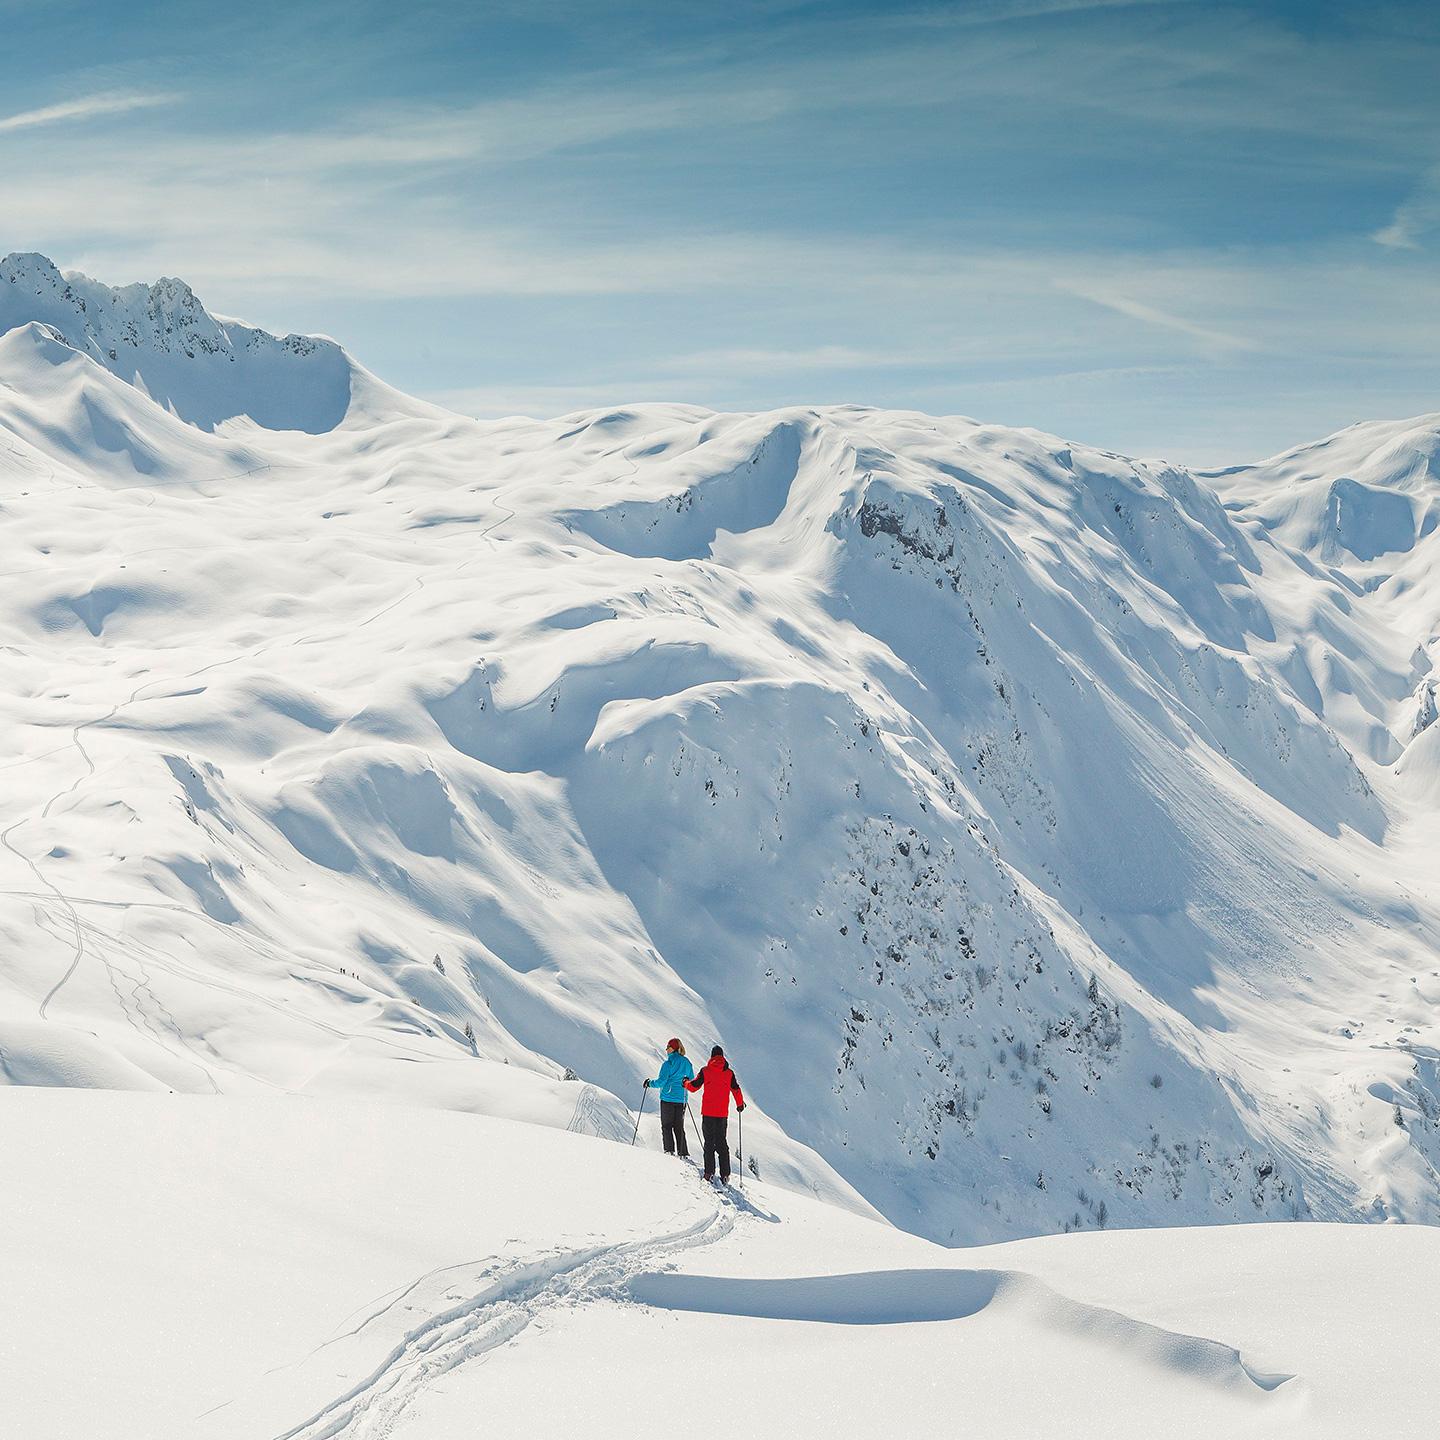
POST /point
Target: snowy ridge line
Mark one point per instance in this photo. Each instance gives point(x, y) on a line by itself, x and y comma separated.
point(927, 1296)
point(483, 1322)
point(200, 368)
point(150, 483)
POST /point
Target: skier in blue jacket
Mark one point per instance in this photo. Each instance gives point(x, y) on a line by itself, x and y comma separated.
point(675, 1070)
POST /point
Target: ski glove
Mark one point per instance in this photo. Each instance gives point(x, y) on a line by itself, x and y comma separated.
point(739, 1107)
point(647, 1084)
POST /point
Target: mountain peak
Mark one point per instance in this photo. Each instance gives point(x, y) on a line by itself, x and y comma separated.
point(161, 338)
point(22, 265)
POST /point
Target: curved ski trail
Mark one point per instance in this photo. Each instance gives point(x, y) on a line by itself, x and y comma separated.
point(500, 1309)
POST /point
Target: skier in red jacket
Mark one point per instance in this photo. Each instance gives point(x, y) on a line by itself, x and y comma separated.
point(718, 1082)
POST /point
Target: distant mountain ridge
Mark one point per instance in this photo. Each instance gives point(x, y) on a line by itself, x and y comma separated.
point(162, 339)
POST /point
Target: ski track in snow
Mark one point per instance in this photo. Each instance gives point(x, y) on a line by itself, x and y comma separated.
point(178, 967)
point(585, 1119)
point(497, 1312)
point(65, 900)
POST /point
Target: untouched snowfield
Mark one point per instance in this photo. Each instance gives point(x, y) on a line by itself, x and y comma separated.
point(228, 1269)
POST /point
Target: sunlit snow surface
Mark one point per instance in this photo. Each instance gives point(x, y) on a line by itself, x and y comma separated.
point(227, 1269)
point(1049, 836)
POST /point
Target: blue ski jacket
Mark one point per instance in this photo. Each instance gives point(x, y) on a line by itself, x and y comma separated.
point(674, 1072)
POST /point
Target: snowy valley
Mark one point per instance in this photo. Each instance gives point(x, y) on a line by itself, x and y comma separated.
point(1047, 834)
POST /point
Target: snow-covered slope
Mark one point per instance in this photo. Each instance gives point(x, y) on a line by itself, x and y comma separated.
point(1048, 835)
point(223, 1269)
point(205, 370)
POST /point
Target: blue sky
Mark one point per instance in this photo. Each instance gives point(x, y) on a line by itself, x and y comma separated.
point(1190, 229)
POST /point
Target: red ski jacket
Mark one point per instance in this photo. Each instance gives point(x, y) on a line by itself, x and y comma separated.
point(718, 1080)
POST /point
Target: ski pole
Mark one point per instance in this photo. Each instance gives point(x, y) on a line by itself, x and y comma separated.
point(698, 1140)
point(740, 1146)
point(643, 1095)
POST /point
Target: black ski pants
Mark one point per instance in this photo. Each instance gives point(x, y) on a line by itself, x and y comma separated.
point(713, 1127)
point(672, 1127)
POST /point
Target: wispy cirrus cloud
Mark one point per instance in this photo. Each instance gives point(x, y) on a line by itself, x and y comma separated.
point(1416, 217)
point(86, 107)
point(1132, 309)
